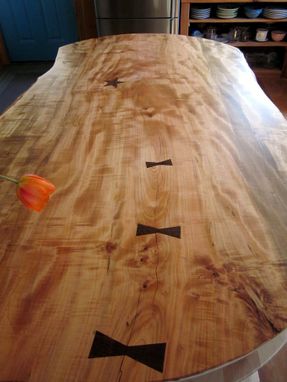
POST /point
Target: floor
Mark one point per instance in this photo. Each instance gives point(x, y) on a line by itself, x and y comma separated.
point(276, 369)
point(17, 78)
point(252, 378)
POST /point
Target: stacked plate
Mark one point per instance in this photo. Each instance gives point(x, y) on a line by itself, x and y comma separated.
point(200, 12)
point(275, 13)
point(226, 11)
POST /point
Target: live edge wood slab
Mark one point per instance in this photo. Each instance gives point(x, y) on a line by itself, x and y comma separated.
point(163, 252)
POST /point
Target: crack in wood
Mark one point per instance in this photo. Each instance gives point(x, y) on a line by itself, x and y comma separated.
point(261, 316)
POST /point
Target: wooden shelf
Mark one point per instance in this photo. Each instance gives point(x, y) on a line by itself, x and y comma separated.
point(216, 1)
point(257, 44)
point(259, 70)
point(236, 20)
point(230, 1)
point(186, 21)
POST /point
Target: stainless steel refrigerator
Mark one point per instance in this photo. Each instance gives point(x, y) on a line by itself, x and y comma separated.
point(136, 16)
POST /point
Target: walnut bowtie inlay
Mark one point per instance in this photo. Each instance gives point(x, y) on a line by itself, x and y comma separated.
point(167, 162)
point(147, 230)
point(151, 355)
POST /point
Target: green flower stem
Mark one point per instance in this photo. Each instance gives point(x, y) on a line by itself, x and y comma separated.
point(8, 178)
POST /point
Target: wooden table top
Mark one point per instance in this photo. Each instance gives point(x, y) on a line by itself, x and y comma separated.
point(163, 251)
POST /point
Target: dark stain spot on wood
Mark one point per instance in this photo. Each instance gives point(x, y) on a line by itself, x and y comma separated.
point(145, 284)
point(110, 247)
point(144, 259)
point(212, 269)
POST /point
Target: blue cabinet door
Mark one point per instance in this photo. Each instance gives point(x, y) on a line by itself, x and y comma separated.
point(33, 30)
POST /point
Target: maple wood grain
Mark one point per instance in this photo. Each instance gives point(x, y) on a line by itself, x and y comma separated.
point(90, 125)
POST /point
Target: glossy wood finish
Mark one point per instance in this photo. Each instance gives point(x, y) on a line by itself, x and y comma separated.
point(89, 125)
point(249, 365)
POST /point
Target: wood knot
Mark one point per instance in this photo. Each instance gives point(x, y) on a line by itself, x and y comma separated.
point(110, 247)
point(213, 271)
point(150, 111)
point(144, 259)
point(145, 284)
point(196, 296)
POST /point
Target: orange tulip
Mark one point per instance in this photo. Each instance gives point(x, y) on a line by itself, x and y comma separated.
point(33, 191)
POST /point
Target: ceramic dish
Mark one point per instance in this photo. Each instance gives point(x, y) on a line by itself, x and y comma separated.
point(252, 13)
point(278, 35)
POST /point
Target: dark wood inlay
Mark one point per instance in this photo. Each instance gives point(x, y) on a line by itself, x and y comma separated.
point(150, 355)
point(147, 230)
point(167, 162)
point(115, 82)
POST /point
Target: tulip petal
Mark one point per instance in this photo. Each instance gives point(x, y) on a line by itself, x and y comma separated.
point(31, 200)
point(37, 180)
point(34, 191)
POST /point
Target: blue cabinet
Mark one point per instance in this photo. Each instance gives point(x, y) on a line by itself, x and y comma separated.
point(33, 30)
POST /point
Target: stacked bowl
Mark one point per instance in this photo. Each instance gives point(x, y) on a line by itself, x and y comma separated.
point(252, 12)
point(275, 13)
point(200, 12)
point(278, 35)
point(226, 11)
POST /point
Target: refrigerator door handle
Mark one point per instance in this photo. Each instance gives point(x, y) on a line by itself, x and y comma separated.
point(174, 8)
